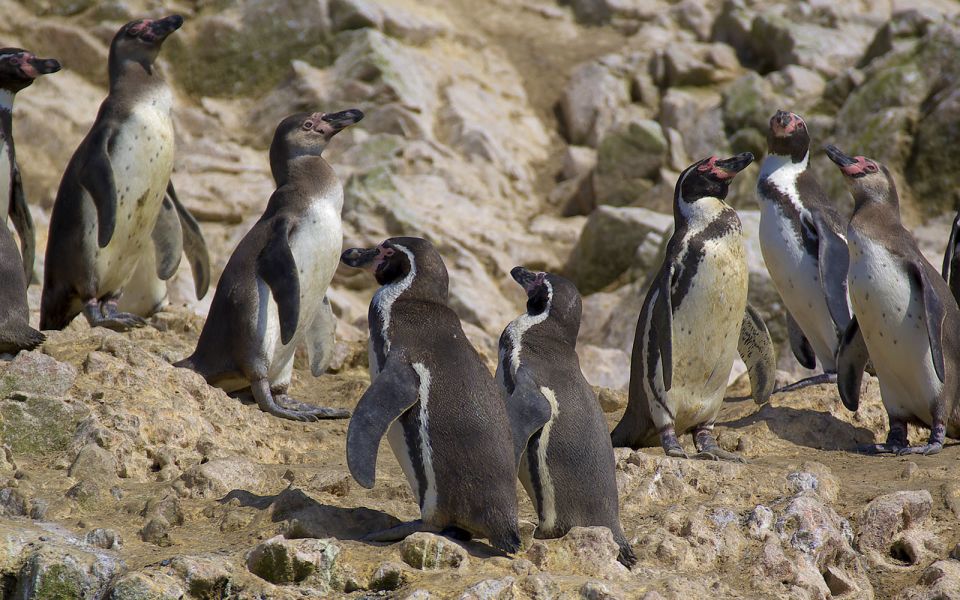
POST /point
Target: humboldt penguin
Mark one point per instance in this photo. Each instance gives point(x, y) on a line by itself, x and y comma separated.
point(113, 188)
point(906, 320)
point(694, 321)
point(441, 410)
point(271, 296)
point(567, 468)
point(803, 246)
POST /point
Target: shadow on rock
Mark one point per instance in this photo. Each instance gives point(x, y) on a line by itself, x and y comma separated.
point(304, 517)
point(806, 427)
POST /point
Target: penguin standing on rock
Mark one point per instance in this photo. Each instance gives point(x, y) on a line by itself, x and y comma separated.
point(18, 69)
point(113, 188)
point(694, 320)
point(434, 399)
point(803, 246)
point(906, 320)
point(567, 467)
point(272, 294)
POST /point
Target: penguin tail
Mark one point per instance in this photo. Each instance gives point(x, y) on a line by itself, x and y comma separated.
point(186, 363)
point(21, 338)
point(507, 541)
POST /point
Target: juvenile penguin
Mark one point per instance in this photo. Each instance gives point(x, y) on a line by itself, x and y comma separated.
point(112, 190)
point(18, 69)
point(567, 468)
point(803, 246)
point(176, 232)
point(906, 319)
point(271, 295)
point(436, 402)
point(694, 320)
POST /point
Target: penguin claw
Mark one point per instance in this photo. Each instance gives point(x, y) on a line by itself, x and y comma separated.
point(317, 412)
point(675, 452)
point(718, 454)
point(925, 450)
point(875, 449)
point(121, 322)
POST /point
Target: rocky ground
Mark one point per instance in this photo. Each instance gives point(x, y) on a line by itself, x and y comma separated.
point(508, 132)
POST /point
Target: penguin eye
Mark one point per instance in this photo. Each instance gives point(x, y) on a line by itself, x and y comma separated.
point(871, 168)
point(308, 125)
point(801, 125)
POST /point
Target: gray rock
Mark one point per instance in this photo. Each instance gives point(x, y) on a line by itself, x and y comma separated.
point(696, 113)
point(939, 581)
point(279, 561)
point(426, 551)
point(491, 589)
point(147, 586)
point(12, 503)
point(59, 570)
point(107, 539)
point(783, 42)
point(591, 99)
point(95, 463)
point(355, 14)
point(605, 367)
point(627, 159)
point(36, 373)
point(886, 516)
point(387, 577)
point(696, 64)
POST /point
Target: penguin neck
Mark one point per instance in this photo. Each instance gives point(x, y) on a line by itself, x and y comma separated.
point(303, 167)
point(784, 168)
point(871, 209)
point(134, 78)
point(698, 213)
point(6, 114)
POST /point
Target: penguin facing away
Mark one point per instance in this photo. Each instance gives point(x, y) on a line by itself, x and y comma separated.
point(18, 69)
point(271, 296)
point(695, 319)
point(567, 467)
point(804, 248)
point(436, 402)
point(906, 321)
point(176, 232)
point(113, 187)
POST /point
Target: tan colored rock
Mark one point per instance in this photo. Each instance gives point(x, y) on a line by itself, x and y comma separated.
point(427, 551)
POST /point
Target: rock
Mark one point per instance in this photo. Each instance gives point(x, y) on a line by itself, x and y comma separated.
point(591, 551)
point(594, 590)
point(58, 7)
point(36, 373)
point(95, 463)
point(785, 42)
point(56, 570)
point(611, 401)
point(760, 522)
point(605, 367)
point(215, 478)
point(696, 114)
point(12, 503)
point(107, 539)
point(696, 64)
point(940, 581)
point(491, 589)
point(279, 561)
point(594, 94)
point(930, 173)
point(748, 103)
point(578, 161)
point(608, 244)
point(355, 14)
point(426, 551)
point(147, 586)
point(627, 158)
point(388, 576)
point(78, 50)
point(886, 516)
point(156, 531)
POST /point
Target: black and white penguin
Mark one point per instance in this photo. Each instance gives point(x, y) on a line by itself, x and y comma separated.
point(18, 69)
point(271, 296)
point(803, 244)
point(906, 320)
point(111, 193)
point(951, 259)
point(567, 468)
point(436, 402)
point(694, 320)
point(176, 233)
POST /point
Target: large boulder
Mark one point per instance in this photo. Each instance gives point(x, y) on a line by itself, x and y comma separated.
point(628, 158)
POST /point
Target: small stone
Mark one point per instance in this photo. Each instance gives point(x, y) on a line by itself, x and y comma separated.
point(886, 516)
point(95, 463)
point(760, 522)
point(389, 576)
point(156, 531)
point(594, 590)
point(611, 401)
point(490, 589)
point(427, 551)
point(108, 539)
point(909, 470)
point(12, 503)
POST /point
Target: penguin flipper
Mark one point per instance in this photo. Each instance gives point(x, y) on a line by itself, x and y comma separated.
point(951, 259)
point(662, 327)
point(527, 409)
point(934, 314)
point(800, 345)
point(320, 339)
point(96, 177)
point(193, 244)
point(833, 259)
point(23, 223)
point(852, 359)
point(757, 351)
point(167, 240)
point(391, 394)
point(277, 267)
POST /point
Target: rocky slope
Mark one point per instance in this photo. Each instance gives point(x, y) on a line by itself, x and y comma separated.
point(508, 133)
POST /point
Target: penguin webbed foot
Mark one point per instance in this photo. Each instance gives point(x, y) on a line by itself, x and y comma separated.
point(397, 532)
point(925, 450)
point(268, 404)
point(830, 377)
point(105, 314)
point(288, 403)
point(671, 446)
point(709, 449)
point(877, 449)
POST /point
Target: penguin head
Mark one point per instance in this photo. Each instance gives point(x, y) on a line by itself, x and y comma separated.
point(866, 178)
point(788, 136)
point(18, 68)
point(140, 41)
point(710, 177)
point(307, 134)
point(551, 294)
point(413, 263)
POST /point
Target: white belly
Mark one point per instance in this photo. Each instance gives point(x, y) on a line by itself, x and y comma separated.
point(706, 329)
point(316, 244)
point(796, 276)
point(142, 161)
point(891, 319)
point(6, 180)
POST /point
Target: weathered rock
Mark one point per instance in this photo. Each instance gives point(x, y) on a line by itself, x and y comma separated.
point(592, 97)
point(147, 586)
point(96, 463)
point(387, 577)
point(940, 581)
point(783, 42)
point(55, 571)
point(491, 589)
point(279, 561)
point(36, 373)
point(216, 478)
point(427, 551)
point(885, 517)
point(696, 114)
point(107, 539)
point(696, 64)
point(627, 159)
point(13, 503)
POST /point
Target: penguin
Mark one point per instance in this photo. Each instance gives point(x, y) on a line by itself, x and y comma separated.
point(803, 245)
point(440, 408)
point(567, 468)
point(694, 320)
point(18, 69)
point(906, 320)
point(271, 296)
point(113, 187)
point(176, 232)
point(951, 259)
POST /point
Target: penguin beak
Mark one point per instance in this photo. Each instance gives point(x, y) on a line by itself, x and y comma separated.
point(727, 168)
point(850, 166)
point(838, 157)
point(343, 119)
point(360, 258)
point(44, 66)
point(527, 278)
point(781, 118)
point(161, 28)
